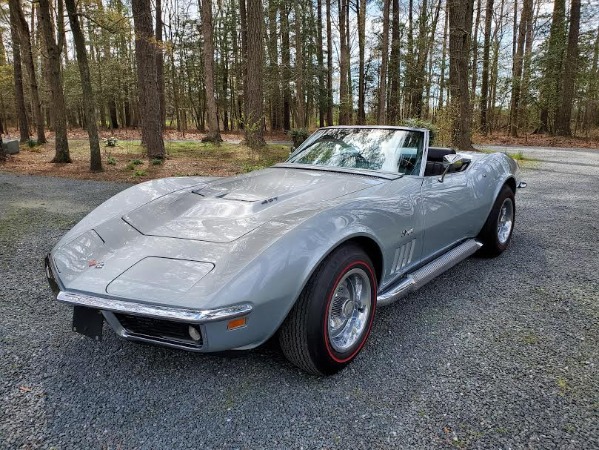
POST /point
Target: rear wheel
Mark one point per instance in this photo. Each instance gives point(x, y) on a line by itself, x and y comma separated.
point(497, 231)
point(331, 320)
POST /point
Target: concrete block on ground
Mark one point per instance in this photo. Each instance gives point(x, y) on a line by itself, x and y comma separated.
point(10, 147)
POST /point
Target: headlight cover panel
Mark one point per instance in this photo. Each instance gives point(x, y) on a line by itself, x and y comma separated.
point(158, 279)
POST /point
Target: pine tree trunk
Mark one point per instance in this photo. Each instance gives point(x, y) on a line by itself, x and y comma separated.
point(350, 89)
point(382, 100)
point(276, 121)
point(494, 76)
point(329, 65)
point(592, 96)
point(443, 63)
point(564, 114)
point(393, 114)
point(147, 84)
point(18, 77)
point(526, 74)
point(89, 103)
point(299, 67)
point(207, 31)
point(425, 46)
point(553, 63)
point(2, 104)
point(460, 24)
point(410, 58)
point(57, 94)
point(2, 52)
point(343, 64)
point(322, 93)
point(27, 55)
point(160, 63)
point(286, 71)
point(484, 87)
point(518, 66)
point(254, 130)
point(474, 77)
point(361, 68)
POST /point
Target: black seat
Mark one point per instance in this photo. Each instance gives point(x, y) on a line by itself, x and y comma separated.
point(434, 163)
point(436, 154)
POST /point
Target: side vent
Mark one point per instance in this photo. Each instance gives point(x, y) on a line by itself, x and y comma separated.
point(403, 255)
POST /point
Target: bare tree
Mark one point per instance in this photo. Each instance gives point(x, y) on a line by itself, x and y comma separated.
point(89, 103)
point(460, 26)
point(553, 63)
point(299, 67)
point(18, 76)
point(160, 62)
point(361, 64)
point(54, 48)
point(518, 66)
point(207, 30)
point(329, 64)
point(344, 103)
point(484, 86)
point(382, 106)
point(149, 97)
point(27, 58)
point(254, 128)
point(564, 113)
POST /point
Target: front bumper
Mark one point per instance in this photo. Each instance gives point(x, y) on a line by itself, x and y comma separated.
point(163, 325)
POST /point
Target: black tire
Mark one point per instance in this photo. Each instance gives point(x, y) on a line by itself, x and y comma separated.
point(494, 240)
point(305, 336)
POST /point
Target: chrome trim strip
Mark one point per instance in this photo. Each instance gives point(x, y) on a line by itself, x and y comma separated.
point(436, 267)
point(155, 311)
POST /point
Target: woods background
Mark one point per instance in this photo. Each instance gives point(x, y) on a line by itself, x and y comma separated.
point(483, 66)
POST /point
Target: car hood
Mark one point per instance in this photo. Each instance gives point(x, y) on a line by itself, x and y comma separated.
point(226, 209)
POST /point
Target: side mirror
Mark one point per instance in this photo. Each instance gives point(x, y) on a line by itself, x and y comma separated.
point(455, 162)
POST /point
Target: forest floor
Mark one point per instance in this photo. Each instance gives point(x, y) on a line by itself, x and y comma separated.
point(127, 161)
point(187, 155)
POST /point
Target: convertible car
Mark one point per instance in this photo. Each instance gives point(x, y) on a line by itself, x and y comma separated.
point(306, 250)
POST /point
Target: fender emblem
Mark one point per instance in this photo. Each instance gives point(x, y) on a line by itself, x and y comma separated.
point(407, 232)
point(94, 263)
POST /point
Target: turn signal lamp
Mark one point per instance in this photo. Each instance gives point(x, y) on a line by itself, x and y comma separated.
point(237, 323)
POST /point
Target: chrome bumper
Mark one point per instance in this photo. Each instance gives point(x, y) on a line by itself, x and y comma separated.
point(173, 313)
point(155, 311)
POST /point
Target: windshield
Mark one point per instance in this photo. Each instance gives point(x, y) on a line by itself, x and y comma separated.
point(386, 150)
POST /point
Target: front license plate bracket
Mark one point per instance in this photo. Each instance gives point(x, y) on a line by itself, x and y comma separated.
point(88, 321)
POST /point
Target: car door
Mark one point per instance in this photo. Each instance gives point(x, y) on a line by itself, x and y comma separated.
point(450, 210)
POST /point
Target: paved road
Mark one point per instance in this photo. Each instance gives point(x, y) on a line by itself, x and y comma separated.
point(496, 353)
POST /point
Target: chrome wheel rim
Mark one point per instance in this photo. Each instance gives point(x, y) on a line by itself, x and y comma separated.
point(349, 310)
point(506, 221)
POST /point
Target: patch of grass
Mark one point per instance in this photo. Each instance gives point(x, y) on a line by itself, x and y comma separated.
point(111, 161)
point(530, 338)
point(518, 156)
point(157, 161)
point(563, 386)
point(137, 162)
point(140, 173)
point(130, 166)
point(249, 167)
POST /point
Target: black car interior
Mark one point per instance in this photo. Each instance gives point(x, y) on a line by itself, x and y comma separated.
point(435, 165)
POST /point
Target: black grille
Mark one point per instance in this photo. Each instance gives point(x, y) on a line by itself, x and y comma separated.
point(165, 331)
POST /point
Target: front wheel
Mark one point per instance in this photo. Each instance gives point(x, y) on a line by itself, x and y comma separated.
point(331, 320)
point(497, 231)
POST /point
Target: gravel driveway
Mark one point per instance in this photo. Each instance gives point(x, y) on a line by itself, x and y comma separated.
point(496, 353)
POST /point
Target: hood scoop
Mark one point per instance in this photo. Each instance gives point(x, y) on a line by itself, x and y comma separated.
point(229, 208)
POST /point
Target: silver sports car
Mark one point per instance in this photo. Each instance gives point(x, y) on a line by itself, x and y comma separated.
point(308, 249)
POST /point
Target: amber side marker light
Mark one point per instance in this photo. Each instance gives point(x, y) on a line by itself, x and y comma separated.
point(236, 323)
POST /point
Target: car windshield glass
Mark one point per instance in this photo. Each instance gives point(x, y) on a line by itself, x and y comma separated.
point(386, 150)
